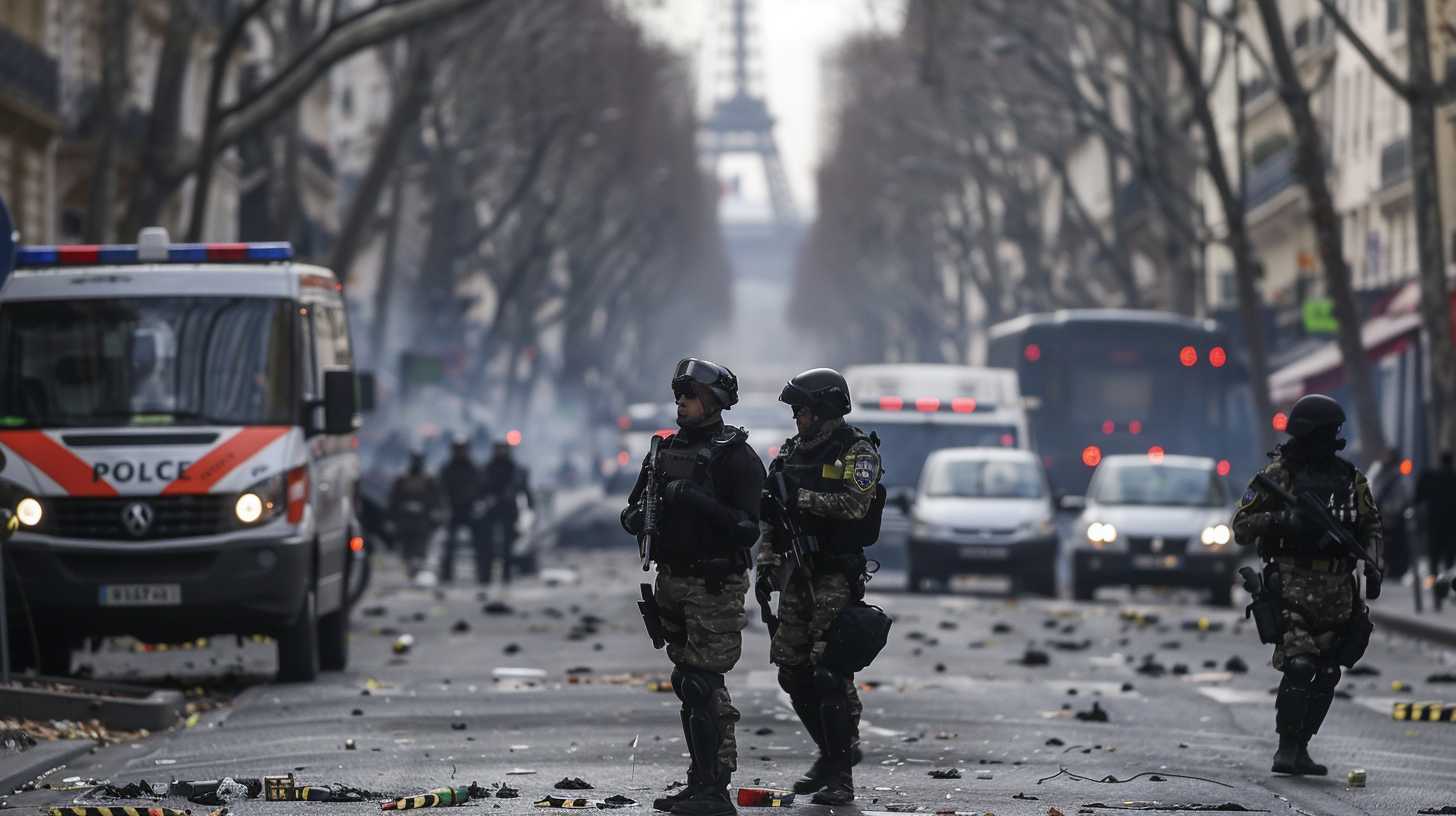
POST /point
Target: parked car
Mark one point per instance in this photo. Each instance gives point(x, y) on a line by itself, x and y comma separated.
point(1154, 520)
point(983, 511)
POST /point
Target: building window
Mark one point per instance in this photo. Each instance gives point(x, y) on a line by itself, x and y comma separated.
point(1392, 15)
point(1226, 294)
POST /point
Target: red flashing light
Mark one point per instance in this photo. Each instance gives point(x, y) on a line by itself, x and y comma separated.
point(891, 403)
point(227, 252)
point(623, 458)
point(1108, 426)
point(1217, 357)
point(79, 254)
point(1135, 427)
point(1008, 441)
point(1188, 356)
point(1406, 466)
point(356, 544)
point(928, 405)
point(1223, 467)
point(1032, 352)
point(1091, 456)
point(1155, 454)
point(513, 438)
point(1281, 421)
point(963, 405)
point(624, 422)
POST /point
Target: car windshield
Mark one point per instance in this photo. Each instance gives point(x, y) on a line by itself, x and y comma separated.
point(984, 480)
point(1148, 484)
point(904, 446)
point(146, 361)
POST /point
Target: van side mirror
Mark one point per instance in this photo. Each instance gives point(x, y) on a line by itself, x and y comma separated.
point(340, 405)
point(367, 392)
point(1071, 504)
point(902, 498)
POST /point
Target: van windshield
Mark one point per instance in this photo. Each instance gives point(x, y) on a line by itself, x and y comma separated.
point(147, 361)
point(904, 446)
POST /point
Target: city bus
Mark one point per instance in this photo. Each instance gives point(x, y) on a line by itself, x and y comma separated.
point(1098, 382)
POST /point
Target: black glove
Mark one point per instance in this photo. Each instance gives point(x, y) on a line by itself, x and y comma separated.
point(678, 490)
point(763, 581)
point(632, 519)
point(1373, 581)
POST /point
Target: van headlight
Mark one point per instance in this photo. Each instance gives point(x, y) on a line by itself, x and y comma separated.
point(1100, 533)
point(260, 502)
point(29, 511)
point(926, 530)
point(1036, 528)
point(1216, 536)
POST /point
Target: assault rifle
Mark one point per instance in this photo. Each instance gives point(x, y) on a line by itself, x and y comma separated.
point(801, 546)
point(1314, 512)
point(651, 507)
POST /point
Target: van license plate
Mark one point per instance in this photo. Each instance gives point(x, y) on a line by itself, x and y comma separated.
point(974, 553)
point(141, 595)
point(1156, 562)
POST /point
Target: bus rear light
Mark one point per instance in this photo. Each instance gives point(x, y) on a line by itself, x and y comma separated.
point(928, 405)
point(1091, 456)
point(513, 438)
point(891, 403)
point(1281, 421)
point(624, 422)
point(1217, 357)
point(1155, 454)
point(1032, 352)
point(623, 458)
point(1008, 441)
point(1223, 467)
point(1108, 426)
point(1188, 356)
point(1135, 427)
point(963, 405)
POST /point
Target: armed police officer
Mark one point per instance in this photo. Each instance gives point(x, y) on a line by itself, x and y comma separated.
point(702, 522)
point(418, 505)
point(825, 479)
point(1311, 514)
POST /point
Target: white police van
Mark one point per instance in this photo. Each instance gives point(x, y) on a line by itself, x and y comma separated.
point(178, 423)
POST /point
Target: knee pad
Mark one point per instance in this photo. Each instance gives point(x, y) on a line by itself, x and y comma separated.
point(695, 688)
point(830, 684)
point(797, 681)
point(1301, 669)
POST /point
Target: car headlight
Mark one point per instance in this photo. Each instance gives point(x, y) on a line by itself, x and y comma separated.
point(1216, 536)
point(1101, 533)
point(1036, 527)
point(260, 502)
point(29, 511)
point(925, 529)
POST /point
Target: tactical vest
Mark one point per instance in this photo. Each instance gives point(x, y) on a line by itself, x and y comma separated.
point(824, 470)
point(686, 537)
point(1333, 483)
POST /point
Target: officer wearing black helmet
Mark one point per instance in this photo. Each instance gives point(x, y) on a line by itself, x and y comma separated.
point(710, 482)
point(831, 471)
point(1322, 622)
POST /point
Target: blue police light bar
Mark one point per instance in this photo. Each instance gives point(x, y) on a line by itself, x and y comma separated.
point(122, 254)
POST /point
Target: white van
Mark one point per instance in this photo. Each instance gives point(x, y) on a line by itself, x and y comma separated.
point(918, 409)
point(177, 423)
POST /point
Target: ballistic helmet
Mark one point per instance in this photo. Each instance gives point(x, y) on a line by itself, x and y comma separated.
point(823, 390)
point(716, 378)
point(1313, 412)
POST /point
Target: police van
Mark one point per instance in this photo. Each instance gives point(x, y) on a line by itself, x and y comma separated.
point(917, 409)
point(177, 423)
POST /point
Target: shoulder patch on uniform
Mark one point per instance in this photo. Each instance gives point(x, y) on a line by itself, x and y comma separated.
point(863, 474)
point(1249, 495)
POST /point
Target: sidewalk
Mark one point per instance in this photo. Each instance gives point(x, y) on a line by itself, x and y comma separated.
point(1396, 611)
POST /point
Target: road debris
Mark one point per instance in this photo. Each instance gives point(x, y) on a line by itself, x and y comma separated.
point(1184, 807)
point(560, 802)
point(497, 608)
point(1112, 780)
point(764, 797)
point(439, 797)
point(1034, 657)
point(1094, 714)
point(460, 627)
point(616, 801)
point(1355, 778)
point(573, 783)
point(1236, 665)
point(945, 773)
point(404, 643)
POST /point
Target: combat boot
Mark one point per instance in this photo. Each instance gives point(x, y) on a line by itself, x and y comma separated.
point(838, 788)
point(813, 779)
point(1286, 758)
point(672, 800)
point(1303, 764)
point(707, 798)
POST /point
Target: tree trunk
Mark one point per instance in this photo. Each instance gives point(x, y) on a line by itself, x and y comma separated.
point(1309, 166)
point(1435, 296)
point(388, 269)
point(110, 99)
point(150, 187)
point(1246, 289)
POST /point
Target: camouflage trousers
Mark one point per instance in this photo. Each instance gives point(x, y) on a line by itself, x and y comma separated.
point(705, 631)
point(1315, 610)
point(804, 624)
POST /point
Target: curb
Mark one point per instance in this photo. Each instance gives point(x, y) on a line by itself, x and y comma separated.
point(35, 762)
point(119, 706)
point(1443, 633)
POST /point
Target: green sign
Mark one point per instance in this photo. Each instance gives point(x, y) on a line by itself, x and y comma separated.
point(1319, 316)
point(421, 369)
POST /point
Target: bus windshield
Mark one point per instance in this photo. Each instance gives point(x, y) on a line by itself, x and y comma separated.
point(904, 446)
point(147, 361)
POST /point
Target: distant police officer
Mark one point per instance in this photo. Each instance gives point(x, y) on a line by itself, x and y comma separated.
point(502, 483)
point(831, 470)
point(710, 482)
point(1322, 623)
point(417, 505)
point(461, 479)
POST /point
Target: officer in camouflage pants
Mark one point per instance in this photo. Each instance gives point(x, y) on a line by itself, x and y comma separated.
point(1318, 605)
point(830, 470)
point(709, 485)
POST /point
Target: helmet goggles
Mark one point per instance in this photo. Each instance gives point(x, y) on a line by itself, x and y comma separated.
point(691, 372)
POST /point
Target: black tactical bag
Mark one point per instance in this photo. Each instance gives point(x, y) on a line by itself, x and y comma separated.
point(856, 637)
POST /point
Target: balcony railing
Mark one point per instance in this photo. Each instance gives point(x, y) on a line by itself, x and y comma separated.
point(1269, 178)
point(1395, 162)
point(28, 72)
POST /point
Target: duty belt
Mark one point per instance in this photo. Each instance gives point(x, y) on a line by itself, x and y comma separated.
point(1333, 566)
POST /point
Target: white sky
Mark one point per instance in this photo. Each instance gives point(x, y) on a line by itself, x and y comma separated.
point(794, 38)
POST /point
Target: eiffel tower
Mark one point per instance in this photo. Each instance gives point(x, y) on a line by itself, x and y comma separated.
point(741, 124)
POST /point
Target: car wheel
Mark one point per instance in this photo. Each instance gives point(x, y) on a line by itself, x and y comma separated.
point(1042, 583)
point(55, 653)
point(298, 645)
point(333, 640)
point(1221, 596)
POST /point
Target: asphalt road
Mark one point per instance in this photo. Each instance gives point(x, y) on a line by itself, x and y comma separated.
point(949, 692)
